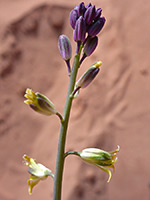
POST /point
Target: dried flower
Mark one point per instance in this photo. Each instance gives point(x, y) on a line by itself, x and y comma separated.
point(39, 103)
point(38, 172)
point(100, 158)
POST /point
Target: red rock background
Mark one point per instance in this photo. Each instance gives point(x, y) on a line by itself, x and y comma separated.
point(114, 110)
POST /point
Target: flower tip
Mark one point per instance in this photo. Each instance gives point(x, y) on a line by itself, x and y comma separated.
point(98, 64)
point(118, 148)
point(28, 102)
point(109, 178)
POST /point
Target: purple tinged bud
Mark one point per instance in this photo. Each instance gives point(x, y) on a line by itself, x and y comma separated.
point(81, 9)
point(90, 15)
point(89, 75)
point(98, 13)
point(96, 27)
point(73, 18)
point(64, 47)
point(88, 5)
point(80, 30)
point(90, 46)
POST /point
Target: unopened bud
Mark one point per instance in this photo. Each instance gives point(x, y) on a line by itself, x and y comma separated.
point(88, 5)
point(86, 78)
point(80, 30)
point(89, 75)
point(65, 48)
point(90, 14)
point(73, 18)
point(90, 46)
point(96, 27)
point(98, 13)
point(81, 9)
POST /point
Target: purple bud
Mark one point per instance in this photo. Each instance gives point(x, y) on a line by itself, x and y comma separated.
point(80, 30)
point(90, 46)
point(73, 18)
point(88, 5)
point(96, 27)
point(89, 15)
point(64, 47)
point(98, 13)
point(89, 75)
point(81, 9)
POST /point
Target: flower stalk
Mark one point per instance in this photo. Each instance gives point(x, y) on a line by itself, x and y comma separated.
point(63, 130)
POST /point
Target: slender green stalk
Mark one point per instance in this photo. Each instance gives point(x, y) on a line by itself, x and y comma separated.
point(71, 153)
point(63, 130)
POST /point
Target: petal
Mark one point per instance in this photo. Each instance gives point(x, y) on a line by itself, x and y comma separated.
point(107, 171)
point(33, 180)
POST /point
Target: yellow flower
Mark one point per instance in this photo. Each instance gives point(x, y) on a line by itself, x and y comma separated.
point(39, 103)
point(100, 158)
point(38, 172)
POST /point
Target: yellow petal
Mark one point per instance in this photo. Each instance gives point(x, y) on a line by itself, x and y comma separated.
point(28, 102)
point(107, 171)
point(32, 182)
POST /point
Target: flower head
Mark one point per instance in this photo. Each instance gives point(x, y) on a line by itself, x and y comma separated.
point(39, 103)
point(100, 158)
point(38, 172)
point(86, 19)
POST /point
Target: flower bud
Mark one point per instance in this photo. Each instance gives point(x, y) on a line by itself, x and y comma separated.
point(81, 9)
point(64, 46)
point(80, 30)
point(88, 5)
point(90, 46)
point(96, 27)
point(39, 103)
point(73, 18)
point(98, 13)
point(100, 158)
point(89, 75)
point(38, 172)
point(89, 15)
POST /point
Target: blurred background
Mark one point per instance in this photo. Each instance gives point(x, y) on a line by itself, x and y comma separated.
point(113, 110)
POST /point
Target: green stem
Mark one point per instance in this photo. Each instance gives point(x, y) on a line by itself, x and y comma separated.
point(63, 131)
point(71, 153)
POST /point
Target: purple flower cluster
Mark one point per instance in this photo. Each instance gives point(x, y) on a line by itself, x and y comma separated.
point(86, 21)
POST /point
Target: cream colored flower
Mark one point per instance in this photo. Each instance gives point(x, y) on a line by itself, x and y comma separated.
point(101, 159)
point(38, 172)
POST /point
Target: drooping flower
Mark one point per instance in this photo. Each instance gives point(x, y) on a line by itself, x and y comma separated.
point(37, 172)
point(39, 102)
point(100, 158)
